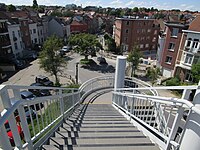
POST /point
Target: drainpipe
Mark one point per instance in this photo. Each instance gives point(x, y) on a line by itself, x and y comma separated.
point(191, 137)
point(120, 72)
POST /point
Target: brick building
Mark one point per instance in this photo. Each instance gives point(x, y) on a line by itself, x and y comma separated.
point(170, 50)
point(78, 27)
point(140, 31)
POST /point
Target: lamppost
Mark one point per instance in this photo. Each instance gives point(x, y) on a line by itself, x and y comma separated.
point(76, 72)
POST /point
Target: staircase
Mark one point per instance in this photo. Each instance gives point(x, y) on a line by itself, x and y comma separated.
point(99, 127)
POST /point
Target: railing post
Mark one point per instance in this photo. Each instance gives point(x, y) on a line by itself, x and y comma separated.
point(61, 103)
point(120, 72)
point(191, 137)
point(175, 126)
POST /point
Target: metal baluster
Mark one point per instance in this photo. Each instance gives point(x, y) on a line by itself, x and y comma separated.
point(38, 124)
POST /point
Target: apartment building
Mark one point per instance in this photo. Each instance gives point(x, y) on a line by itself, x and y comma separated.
point(189, 50)
point(142, 32)
point(5, 45)
point(16, 39)
point(173, 34)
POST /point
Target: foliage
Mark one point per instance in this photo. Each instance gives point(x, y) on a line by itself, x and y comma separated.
point(56, 13)
point(87, 61)
point(159, 16)
point(195, 71)
point(35, 4)
point(153, 74)
point(68, 14)
point(73, 86)
point(134, 58)
point(86, 44)
point(50, 61)
point(110, 42)
point(136, 9)
point(173, 82)
point(11, 8)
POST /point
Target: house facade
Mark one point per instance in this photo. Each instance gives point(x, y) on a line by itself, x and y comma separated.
point(169, 54)
point(189, 51)
point(140, 32)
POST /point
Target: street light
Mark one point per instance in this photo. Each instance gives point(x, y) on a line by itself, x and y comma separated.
point(76, 72)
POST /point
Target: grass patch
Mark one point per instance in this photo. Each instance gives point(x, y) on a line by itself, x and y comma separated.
point(87, 61)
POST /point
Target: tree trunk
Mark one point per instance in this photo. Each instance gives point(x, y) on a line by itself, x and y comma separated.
point(133, 71)
point(57, 80)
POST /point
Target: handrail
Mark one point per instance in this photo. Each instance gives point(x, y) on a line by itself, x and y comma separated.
point(132, 105)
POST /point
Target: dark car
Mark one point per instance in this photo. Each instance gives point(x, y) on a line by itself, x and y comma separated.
point(43, 80)
point(39, 92)
point(101, 60)
point(30, 96)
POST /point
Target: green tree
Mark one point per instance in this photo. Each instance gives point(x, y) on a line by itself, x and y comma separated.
point(153, 74)
point(11, 8)
point(86, 44)
point(135, 9)
point(195, 71)
point(35, 4)
point(134, 58)
point(49, 58)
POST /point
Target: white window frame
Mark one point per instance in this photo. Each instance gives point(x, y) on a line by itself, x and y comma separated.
point(167, 60)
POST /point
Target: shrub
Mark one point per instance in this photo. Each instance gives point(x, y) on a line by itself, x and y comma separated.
point(173, 82)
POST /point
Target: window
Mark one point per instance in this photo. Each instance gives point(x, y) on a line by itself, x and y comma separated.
point(13, 33)
point(34, 30)
point(195, 43)
point(138, 30)
point(188, 58)
point(125, 39)
point(19, 33)
point(148, 37)
point(188, 42)
point(30, 31)
point(196, 59)
point(141, 45)
point(155, 32)
point(168, 60)
point(126, 30)
point(149, 30)
point(153, 46)
point(188, 77)
point(127, 23)
point(40, 32)
point(174, 32)
point(35, 40)
point(16, 46)
point(146, 45)
point(171, 46)
point(154, 39)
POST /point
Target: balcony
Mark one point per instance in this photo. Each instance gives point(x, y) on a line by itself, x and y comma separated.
point(96, 116)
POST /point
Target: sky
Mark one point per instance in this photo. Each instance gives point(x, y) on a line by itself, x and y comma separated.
point(193, 5)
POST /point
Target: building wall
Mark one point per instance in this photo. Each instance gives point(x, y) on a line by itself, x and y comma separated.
point(24, 28)
point(140, 32)
point(34, 33)
point(78, 28)
point(55, 28)
point(5, 46)
point(169, 54)
point(161, 41)
point(16, 40)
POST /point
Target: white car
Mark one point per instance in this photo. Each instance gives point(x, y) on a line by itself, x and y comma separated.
point(66, 48)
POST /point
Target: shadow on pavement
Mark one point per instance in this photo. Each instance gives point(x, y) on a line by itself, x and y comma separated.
point(103, 68)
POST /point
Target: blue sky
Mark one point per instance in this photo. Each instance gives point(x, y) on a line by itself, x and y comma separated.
point(160, 4)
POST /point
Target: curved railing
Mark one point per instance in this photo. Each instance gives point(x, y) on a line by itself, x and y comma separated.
point(95, 84)
point(139, 108)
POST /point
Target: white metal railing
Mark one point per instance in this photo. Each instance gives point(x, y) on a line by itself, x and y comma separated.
point(96, 84)
point(36, 117)
point(140, 109)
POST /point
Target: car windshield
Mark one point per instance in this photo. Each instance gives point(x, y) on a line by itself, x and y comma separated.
point(45, 79)
point(7, 126)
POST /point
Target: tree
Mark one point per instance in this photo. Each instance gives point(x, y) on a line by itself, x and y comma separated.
point(134, 58)
point(49, 58)
point(35, 4)
point(153, 73)
point(86, 44)
point(11, 8)
point(195, 71)
point(135, 9)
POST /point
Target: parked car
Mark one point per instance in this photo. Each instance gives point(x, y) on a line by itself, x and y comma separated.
point(43, 80)
point(30, 96)
point(9, 132)
point(39, 92)
point(66, 49)
point(101, 60)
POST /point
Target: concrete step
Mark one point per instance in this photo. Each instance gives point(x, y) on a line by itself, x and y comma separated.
point(98, 141)
point(98, 134)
